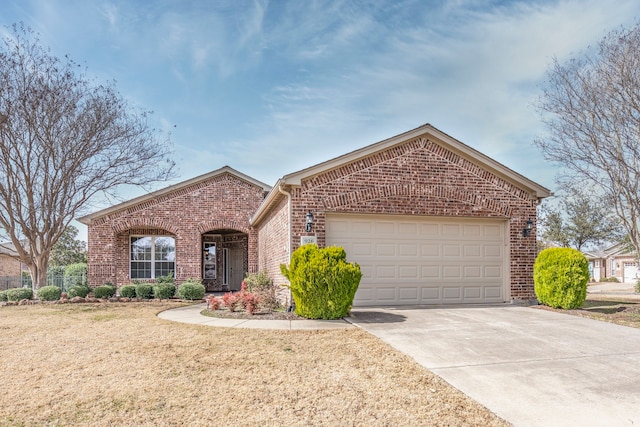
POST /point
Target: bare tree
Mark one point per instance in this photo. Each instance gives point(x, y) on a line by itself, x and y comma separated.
point(63, 140)
point(591, 108)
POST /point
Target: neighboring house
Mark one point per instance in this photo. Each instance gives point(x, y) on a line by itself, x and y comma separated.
point(9, 264)
point(429, 219)
point(615, 261)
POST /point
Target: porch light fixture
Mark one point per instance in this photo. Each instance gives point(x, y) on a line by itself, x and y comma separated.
point(526, 231)
point(309, 222)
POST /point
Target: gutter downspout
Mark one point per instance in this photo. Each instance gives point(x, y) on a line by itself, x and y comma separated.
point(290, 215)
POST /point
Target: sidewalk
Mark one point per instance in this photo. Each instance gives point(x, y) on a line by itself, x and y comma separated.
point(191, 314)
point(613, 290)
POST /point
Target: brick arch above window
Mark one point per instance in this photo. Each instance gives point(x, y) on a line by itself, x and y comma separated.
point(472, 198)
point(221, 224)
point(142, 222)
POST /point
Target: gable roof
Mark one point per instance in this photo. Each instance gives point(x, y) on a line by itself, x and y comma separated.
point(433, 134)
point(88, 219)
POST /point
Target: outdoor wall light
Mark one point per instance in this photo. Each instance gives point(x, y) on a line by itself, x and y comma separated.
point(526, 231)
point(309, 222)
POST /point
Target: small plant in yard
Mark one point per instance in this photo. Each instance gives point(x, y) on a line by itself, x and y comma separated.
point(261, 284)
point(213, 303)
point(230, 301)
point(250, 302)
point(191, 289)
point(3, 296)
point(323, 283)
point(78, 291)
point(144, 291)
point(560, 277)
point(128, 291)
point(164, 290)
point(49, 293)
point(104, 291)
point(18, 294)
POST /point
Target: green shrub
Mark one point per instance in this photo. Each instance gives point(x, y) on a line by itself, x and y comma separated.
point(18, 294)
point(3, 296)
point(55, 275)
point(560, 278)
point(322, 282)
point(613, 279)
point(261, 285)
point(191, 289)
point(144, 291)
point(78, 291)
point(128, 291)
point(104, 291)
point(168, 279)
point(75, 275)
point(164, 290)
point(49, 293)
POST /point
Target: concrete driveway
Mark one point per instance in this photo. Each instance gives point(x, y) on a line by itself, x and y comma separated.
point(529, 366)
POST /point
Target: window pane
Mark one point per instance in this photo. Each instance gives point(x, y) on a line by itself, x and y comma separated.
point(163, 268)
point(165, 249)
point(141, 248)
point(140, 270)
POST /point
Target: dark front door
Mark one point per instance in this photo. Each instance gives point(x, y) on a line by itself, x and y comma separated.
point(236, 268)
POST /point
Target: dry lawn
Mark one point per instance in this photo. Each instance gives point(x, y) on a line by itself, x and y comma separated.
point(118, 364)
point(621, 311)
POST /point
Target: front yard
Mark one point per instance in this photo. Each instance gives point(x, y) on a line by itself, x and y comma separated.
point(619, 310)
point(118, 364)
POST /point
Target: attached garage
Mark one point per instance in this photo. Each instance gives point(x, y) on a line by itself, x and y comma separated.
point(407, 260)
point(429, 219)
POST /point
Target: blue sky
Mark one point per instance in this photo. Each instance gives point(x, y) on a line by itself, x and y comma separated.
point(271, 87)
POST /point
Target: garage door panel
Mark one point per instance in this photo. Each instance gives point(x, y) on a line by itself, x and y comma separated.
point(423, 260)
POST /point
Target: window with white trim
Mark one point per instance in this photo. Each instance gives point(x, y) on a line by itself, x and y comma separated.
point(152, 256)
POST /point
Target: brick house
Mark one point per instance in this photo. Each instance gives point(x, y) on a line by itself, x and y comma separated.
point(429, 219)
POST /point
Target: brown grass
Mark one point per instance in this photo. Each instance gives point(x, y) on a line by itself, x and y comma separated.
point(118, 364)
point(620, 311)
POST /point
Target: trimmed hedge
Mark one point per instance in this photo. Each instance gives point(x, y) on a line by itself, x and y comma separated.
point(128, 291)
point(144, 290)
point(164, 290)
point(323, 283)
point(3, 296)
point(560, 277)
point(104, 291)
point(78, 291)
point(18, 294)
point(49, 293)
point(191, 290)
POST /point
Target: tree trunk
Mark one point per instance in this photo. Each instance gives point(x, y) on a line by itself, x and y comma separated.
point(38, 270)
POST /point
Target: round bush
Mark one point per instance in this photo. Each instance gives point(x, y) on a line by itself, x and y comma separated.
point(78, 291)
point(3, 295)
point(560, 278)
point(49, 293)
point(18, 294)
point(144, 291)
point(104, 291)
point(164, 290)
point(191, 290)
point(128, 291)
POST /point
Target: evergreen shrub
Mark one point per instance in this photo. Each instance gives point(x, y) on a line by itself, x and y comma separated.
point(18, 294)
point(128, 291)
point(164, 290)
point(560, 277)
point(144, 290)
point(191, 289)
point(322, 282)
point(261, 285)
point(3, 296)
point(49, 293)
point(104, 291)
point(78, 291)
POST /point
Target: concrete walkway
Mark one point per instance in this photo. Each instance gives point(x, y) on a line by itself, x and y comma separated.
point(191, 314)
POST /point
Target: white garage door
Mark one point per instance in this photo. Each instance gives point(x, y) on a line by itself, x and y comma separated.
point(424, 260)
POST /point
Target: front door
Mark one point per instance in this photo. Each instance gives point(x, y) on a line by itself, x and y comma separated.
point(235, 268)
